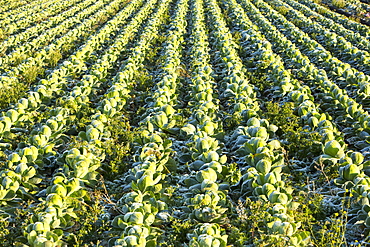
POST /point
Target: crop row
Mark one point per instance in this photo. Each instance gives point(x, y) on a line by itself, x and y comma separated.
point(205, 142)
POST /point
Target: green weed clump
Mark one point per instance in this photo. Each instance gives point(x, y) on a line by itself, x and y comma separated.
point(3, 34)
point(30, 74)
point(247, 226)
point(92, 226)
point(10, 95)
point(299, 142)
point(54, 58)
point(12, 225)
point(355, 18)
point(118, 147)
point(322, 10)
point(339, 3)
point(282, 9)
point(18, 59)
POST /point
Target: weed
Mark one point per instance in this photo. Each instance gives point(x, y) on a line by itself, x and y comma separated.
point(31, 73)
point(237, 35)
point(67, 48)
point(143, 91)
point(327, 173)
point(339, 3)
point(117, 147)
point(54, 58)
point(100, 21)
point(11, 94)
point(248, 222)
point(321, 10)
point(249, 225)
point(312, 213)
point(17, 59)
point(91, 229)
point(331, 231)
point(355, 18)
point(231, 121)
point(3, 34)
point(282, 9)
point(298, 141)
point(103, 19)
point(11, 226)
point(261, 81)
point(176, 235)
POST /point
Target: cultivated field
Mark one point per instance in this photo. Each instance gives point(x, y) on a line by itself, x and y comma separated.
point(198, 123)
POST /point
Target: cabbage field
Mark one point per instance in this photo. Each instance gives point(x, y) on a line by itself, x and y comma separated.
point(195, 123)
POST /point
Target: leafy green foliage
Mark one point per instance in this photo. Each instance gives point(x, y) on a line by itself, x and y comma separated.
point(3, 35)
point(248, 223)
point(10, 95)
point(260, 81)
point(92, 225)
point(176, 232)
point(142, 91)
point(118, 147)
point(18, 59)
point(160, 115)
point(299, 142)
point(11, 226)
point(31, 73)
point(339, 3)
point(54, 57)
point(282, 9)
point(327, 228)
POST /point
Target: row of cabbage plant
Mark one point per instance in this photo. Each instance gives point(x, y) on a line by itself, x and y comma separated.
point(18, 55)
point(70, 181)
point(253, 42)
point(22, 7)
point(364, 30)
point(353, 177)
point(144, 209)
point(262, 175)
point(309, 71)
point(340, 46)
point(356, 38)
point(353, 171)
point(26, 161)
point(204, 194)
point(5, 13)
point(336, 69)
point(9, 5)
point(42, 56)
point(13, 115)
point(76, 64)
point(293, 54)
point(16, 40)
point(26, 17)
point(79, 95)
